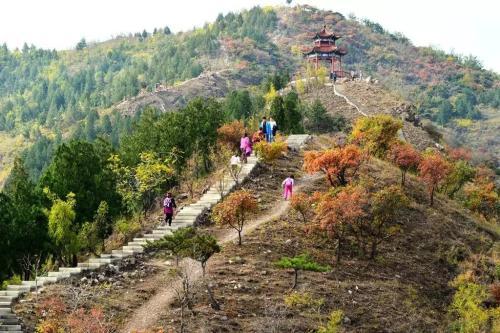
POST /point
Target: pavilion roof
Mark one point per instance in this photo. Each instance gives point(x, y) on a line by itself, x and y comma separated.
point(326, 49)
point(324, 34)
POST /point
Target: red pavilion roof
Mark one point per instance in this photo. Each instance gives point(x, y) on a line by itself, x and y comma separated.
point(326, 49)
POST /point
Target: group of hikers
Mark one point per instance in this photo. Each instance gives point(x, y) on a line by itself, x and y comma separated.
point(267, 131)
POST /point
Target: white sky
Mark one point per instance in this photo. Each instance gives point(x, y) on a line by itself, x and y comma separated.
point(467, 27)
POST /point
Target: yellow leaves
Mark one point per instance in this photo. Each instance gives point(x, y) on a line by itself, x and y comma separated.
point(376, 133)
point(270, 151)
point(151, 172)
point(270, 96)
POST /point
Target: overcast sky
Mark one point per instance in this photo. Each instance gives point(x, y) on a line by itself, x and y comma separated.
point(467, 27)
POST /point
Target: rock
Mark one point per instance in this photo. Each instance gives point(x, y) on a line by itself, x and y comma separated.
point(84, 280)
point(101, 278)
point(168, 263)
point(347, 320)
point(236, 260)
point(223, 318)
point(288, 241)
point(183, 196)
point(263, 273)
point(368, 79)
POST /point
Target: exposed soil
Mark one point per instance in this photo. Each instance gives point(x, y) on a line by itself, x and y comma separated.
point(404, 290)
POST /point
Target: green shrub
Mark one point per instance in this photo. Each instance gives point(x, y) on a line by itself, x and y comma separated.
point(467, 311)
point(14, 280)
point(127, 228)
point(333, 325)
point(303, 301)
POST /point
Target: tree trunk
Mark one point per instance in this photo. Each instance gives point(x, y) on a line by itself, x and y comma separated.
point(432, 196)
point(213, 302)
point(295, 278)
point(339, 247)
point(403, 178)
point(239, 237)
point(203, 266)
point(373, 250)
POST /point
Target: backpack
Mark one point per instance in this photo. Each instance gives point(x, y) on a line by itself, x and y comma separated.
point(288, 182)
point(168, 203)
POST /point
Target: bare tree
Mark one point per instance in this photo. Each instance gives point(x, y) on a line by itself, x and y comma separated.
point(31, 264)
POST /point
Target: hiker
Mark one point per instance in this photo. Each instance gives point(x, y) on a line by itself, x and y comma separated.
point(168, 208)
point(245, 147)
point(263, 127)
point(269, 131)
point(334, 77)
point(288, 187)
point(274, 128)
point(235, 161)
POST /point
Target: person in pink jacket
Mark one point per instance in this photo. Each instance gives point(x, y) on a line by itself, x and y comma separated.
point(245, 147)
point(288, 184)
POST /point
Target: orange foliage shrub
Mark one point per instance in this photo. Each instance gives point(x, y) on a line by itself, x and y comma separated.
point(338, 164)
point(405, 157)
point(335, 214)
point(91, 321)
point(234, 210)
point(230, 134)
point(433, 170)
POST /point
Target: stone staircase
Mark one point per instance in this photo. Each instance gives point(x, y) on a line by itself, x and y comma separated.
point(187, 216)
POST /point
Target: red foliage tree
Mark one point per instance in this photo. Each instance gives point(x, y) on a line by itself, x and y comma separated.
point(433, 170)
point(335, 214)
point(234, 210)
point(405, 157)
point(338, 164)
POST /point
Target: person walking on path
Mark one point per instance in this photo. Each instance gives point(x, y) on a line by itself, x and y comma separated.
point(288, 184)
point(263, 126)
point(245, 147)
point(168, 208)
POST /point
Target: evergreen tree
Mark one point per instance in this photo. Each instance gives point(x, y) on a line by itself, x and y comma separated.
point(277, 111)
point(293, 115)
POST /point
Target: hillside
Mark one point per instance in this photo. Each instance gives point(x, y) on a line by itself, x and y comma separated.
point(406, 288)
point(57, 94)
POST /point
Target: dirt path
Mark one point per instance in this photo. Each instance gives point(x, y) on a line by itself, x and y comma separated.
point(150, 312)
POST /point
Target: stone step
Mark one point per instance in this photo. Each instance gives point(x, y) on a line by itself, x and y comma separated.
point(152, 236)
point(5, 305)
point(48, 279)
point(71, 270)
point(59, 275)
point(136, 249)
point(5, 311)
point(103, 260)
point(33, 284)
point(136, 243)
point(141, 239)
point(12, 320)
point(7, 298)
point(122, 253)
point(19, 287)
point(91, 265)
point(161, 232)
point(10, 328)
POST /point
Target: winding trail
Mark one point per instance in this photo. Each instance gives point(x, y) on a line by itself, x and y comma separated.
point(348, 101)
point(150, 312)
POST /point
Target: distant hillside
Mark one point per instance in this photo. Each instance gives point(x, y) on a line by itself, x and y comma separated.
point(77, 93)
